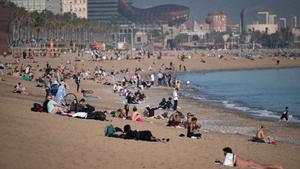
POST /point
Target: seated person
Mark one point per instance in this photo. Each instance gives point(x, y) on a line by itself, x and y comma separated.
point(136, 115)
point(130, 99)
point(193, 128)
point(235, 161)
point(53, 107)
point(261, 138)
point(84, 107)
point(169, 104)
point(20, 89)
point(74, 106)
point(188, 120)
point(163, 103)
point(174, 120)
point(149, 112)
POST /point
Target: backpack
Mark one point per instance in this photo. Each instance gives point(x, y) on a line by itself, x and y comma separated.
point(37, 107)
point(109, 130)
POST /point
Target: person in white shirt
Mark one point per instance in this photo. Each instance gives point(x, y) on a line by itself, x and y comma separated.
point(152, 79)
point(175, 98)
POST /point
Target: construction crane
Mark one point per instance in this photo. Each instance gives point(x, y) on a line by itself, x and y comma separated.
point(265, 13)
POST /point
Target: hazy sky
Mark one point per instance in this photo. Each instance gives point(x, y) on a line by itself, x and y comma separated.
point(200, 8)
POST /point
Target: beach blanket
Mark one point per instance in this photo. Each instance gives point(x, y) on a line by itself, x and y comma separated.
point(26, 77)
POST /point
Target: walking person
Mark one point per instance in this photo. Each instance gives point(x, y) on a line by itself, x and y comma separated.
point(175, 98)
point(77, 81)
point(285, 114)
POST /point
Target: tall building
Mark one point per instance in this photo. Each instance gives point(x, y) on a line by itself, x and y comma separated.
point(217, 22)
point(105, 11)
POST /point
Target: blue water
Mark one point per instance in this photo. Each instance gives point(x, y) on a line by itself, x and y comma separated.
point(262, 93)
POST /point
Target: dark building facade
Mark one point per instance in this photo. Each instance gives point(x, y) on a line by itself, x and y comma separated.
point(122, 11)
point(105, 11)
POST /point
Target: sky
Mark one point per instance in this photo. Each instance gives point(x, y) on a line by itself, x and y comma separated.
point(200, 8)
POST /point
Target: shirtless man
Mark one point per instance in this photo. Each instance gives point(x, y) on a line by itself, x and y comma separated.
point(260, 136)
point(241, 163)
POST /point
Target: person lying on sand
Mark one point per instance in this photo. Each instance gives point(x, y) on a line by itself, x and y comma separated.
point(235, 161)
point(261, 137)
point(20, 89)
point(144, 135)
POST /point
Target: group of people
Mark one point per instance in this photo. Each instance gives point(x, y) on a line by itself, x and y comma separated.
point(55, 88)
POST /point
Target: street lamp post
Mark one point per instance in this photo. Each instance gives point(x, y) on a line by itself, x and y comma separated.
point(132, 27)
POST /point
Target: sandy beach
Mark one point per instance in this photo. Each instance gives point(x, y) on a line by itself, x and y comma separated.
point(40, 140)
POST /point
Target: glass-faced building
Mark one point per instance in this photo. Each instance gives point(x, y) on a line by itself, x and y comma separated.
point(122, 11)
point(105, 10)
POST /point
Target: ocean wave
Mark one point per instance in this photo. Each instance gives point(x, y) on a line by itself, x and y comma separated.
point(240, 107)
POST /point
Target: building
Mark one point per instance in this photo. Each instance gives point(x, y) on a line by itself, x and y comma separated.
point(217, 22)
point(105, 11)
point(158, 15)
point(190, 27)
point(5, 14)
point(122, 12)
point(233, 27)
point(40, 5)
point(78, 7)
point(263, 28)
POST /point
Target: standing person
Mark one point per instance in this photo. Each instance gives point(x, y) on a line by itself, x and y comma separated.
point(159, 78)
point(77, 81)
point(61, 93)
point(152, 77)
point(169, 79)
point(285, 114)
point(126, 109)
point(175, 98)
point(24, 54)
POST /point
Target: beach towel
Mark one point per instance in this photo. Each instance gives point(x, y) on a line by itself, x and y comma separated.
point(82, 115)
point(26, 77)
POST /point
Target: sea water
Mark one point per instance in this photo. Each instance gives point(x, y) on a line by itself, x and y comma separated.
point(261, 93)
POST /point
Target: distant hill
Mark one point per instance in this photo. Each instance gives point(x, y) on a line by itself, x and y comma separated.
point(200, 8)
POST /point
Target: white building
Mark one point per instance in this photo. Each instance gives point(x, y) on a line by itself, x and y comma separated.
point(263, 28)
point(78, 7)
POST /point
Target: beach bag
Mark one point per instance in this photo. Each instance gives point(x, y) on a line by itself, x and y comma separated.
point(109, 130)
point(37, 107)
